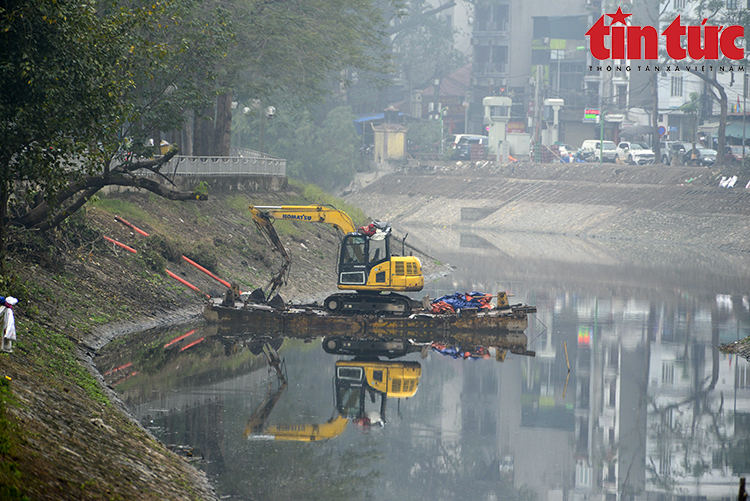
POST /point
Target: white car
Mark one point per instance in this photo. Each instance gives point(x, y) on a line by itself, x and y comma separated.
point(605, 149)
point(633, 152)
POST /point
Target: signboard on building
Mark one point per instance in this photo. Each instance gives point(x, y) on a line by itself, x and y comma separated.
point(590, 114)
point(515, 128)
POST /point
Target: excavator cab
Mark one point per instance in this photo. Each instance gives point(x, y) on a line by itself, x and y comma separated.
point(366, 264)
point(359, 382)
point(359, 255)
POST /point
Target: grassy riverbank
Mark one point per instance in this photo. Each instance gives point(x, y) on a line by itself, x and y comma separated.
point(62, 434)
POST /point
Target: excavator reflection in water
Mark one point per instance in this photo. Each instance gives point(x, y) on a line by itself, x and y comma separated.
point(357, 383)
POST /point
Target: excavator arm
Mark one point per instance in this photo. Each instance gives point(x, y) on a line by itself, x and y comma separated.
point(264, 216)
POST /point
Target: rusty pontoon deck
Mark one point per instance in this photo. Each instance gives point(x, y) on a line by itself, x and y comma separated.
point(490, 328)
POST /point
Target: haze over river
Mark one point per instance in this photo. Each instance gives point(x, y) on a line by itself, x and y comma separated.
point(649, 409)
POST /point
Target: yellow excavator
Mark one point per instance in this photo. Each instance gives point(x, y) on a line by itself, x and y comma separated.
point(367, 263)
point(357, 382)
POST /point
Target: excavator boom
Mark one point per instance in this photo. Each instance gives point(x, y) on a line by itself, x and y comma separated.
point(307, 213)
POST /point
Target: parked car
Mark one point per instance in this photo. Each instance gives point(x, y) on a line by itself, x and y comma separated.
point(452, 141)
point(634, 152)
point(733, 154)
point(462, 149)
point(701, 156)
point(602, 150)
point(669, 150)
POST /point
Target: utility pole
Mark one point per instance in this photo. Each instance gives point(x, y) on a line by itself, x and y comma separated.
point(537, 115)
point(655, 118)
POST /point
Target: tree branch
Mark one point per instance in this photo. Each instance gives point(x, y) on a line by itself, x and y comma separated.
point(38, 216)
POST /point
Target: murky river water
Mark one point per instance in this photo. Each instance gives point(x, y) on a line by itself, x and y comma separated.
point(627, 396)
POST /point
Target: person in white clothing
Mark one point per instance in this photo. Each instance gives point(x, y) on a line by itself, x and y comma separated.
point(9, 323)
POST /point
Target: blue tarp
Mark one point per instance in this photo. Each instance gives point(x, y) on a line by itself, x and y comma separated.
point(458, 300)
point(369, 118)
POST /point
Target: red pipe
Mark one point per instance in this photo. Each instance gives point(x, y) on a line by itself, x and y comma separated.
point(116, 369)
point(204, 270)
point(131, 226)
point(178, 338)
point(192, 344)
point(121, 245)
point(184, 282)
point(125, 377)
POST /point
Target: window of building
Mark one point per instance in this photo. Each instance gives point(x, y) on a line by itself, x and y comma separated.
point(667, 372)
point(732, 4)
point(665, 462)
point(677, 86)
point(622, 96)
point(680, 4)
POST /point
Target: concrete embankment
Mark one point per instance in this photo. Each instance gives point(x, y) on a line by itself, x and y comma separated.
point(638, 226)
point(655, 203)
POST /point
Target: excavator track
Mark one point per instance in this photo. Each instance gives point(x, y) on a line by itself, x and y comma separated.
point(389, 348)
point(359, 303)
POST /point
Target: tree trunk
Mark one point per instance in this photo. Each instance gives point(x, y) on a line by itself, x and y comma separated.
point(69, 200)
point(4, 196)
point(203, 132)
point(223, 127)
point(39, 218)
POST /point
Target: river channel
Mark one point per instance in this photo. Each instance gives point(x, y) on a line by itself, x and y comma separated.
point(627, 396)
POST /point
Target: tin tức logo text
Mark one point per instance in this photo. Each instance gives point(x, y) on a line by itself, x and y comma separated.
point(642, 42)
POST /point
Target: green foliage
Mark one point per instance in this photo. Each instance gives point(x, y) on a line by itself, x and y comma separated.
point(126, 210)
point(54, 355)
point(201, 189)
point(6, 427)
point(423, 45)
point(11, 482)
point(168, 249)
point(204, 255)
point(78, 230)
point(327, 155)
point(425, 136)
point(320, 39)
point(34, 248)
point(81, 84)
point(152, 259)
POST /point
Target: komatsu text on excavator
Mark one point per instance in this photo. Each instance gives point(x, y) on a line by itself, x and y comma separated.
point(366, 263)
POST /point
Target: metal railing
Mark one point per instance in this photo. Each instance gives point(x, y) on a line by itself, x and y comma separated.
point(251, 165)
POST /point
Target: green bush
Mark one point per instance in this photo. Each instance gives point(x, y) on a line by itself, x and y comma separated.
point(205, 256)
point(78, 231)
point(152, 259)
point(166, 248)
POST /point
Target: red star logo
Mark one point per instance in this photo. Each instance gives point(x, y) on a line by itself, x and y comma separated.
point(618, 17)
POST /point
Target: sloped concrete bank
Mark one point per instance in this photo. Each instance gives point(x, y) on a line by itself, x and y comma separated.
point(655, 204)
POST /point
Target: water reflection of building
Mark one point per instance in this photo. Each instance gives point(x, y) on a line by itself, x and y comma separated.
point(656, 410)
point(699, 402)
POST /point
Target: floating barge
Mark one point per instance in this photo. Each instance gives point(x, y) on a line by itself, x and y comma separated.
point(499, 328)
